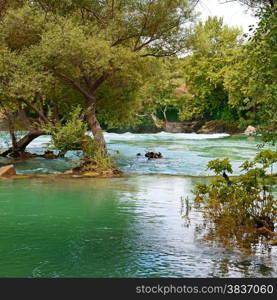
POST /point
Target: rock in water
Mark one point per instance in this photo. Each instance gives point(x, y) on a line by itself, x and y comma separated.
point(153, 155)
point(250, 130)
point(7, 171)
point(49, 155)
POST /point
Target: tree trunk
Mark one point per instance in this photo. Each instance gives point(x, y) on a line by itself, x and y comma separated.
point(272, 3)
point(158, 123)
point(21, 145)
point(97, 132)
point(164, 113)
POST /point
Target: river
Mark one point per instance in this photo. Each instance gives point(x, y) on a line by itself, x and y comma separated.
point(131, 226)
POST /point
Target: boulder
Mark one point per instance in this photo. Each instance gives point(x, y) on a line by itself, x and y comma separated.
point(151, 155)
point(250, 130)
point(7, 171)
point(49, 155)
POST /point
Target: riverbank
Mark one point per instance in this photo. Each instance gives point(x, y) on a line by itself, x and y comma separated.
point(200, 127)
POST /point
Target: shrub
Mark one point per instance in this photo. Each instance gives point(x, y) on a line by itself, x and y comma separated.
point(242, 201)
point(70, 135)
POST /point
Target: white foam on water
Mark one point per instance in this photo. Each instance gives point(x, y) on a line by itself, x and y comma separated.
point(193, 136)
point(161, 135)
point(42, 141)
point(120, 136)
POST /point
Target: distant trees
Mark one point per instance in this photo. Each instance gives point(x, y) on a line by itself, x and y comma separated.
point(251, 81)
point(213, 46)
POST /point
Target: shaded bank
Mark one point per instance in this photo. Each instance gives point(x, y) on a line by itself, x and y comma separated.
point(199, 126)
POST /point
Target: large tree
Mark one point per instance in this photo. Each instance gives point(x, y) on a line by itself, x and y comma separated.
point(103, 50)
point(31, 98)
point(99, 40)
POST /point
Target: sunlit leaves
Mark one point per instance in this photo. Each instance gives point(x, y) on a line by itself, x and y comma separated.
point(213, 45)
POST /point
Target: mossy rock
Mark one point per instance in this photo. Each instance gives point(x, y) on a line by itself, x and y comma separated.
point(91, 170)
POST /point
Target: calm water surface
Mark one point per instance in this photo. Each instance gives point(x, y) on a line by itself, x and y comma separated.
point(133, 226)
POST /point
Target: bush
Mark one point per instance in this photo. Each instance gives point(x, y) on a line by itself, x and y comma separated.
point(68, 136)
point(245, 201)
point(72, 136)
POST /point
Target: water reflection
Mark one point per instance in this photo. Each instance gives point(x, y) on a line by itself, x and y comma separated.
point(189, 244)
point(134, 226)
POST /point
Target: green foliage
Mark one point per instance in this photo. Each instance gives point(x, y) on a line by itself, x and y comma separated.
point(257, 3)
point(242, 201)
point(251, 79)
point(213, 44)
point(22, 28)
point(160, 24)
point(161, 93)
point(220, 166)
point(103, 50)
point(93, 159)
point(124, 92)
point(266, 158)
point(70, 135)
point(232, 80)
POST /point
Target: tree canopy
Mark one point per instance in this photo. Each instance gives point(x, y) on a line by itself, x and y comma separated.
point(102, 50)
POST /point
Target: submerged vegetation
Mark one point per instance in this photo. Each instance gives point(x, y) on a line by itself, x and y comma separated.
point(244, 204)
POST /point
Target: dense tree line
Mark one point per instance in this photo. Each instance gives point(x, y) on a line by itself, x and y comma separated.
point(229, 75)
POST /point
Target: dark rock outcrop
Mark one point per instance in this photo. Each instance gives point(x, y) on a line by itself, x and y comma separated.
point(49, 155)
point(151, 155)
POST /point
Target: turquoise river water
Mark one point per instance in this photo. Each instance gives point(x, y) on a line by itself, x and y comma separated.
point(129, 226)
